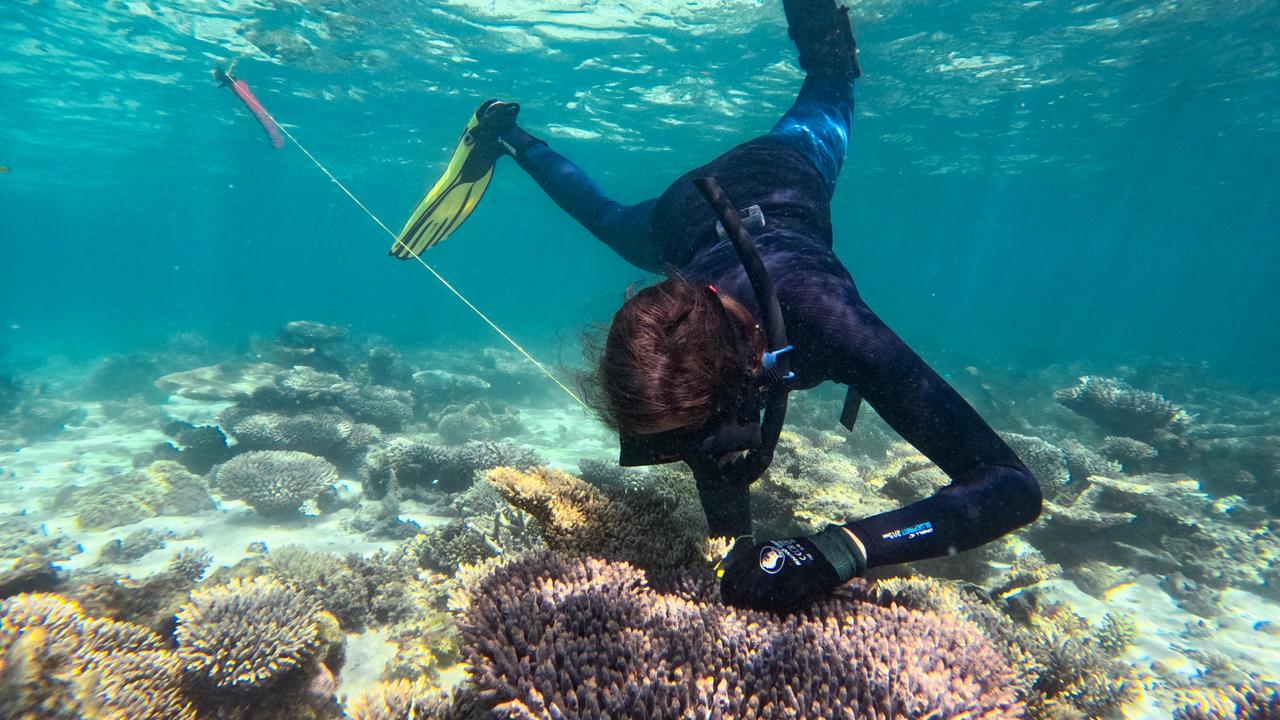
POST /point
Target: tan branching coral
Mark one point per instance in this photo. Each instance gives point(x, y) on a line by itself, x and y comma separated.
point(276, 482)
point(398, 700)
point(162, 488)
point(118, 686)
point(56, 663)
point(808, 488)
point(1260, 702)
point(648, 526)
point(190, 563)
point(1026, 570)
point(246, 634)
point(67, 629)
point(1064, 666)
point(549, 637)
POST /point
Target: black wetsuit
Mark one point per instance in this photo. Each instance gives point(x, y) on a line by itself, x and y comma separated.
point(790, 173)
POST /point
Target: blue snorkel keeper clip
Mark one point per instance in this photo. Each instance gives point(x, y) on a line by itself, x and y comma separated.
point(770, 372)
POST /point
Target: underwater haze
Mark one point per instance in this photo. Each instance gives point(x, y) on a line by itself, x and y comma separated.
point(254, 468)
point(1043, 179)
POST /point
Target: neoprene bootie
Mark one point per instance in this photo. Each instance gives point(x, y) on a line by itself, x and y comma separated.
point(822, 33)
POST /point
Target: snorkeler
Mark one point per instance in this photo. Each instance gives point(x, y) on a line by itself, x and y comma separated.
point(757, 304)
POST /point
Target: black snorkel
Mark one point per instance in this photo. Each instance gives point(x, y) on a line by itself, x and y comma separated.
point(723, 487)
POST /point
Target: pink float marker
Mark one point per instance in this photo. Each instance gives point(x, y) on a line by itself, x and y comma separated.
point(241, 89)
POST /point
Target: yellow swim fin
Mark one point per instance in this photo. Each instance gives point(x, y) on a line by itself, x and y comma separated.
point(455, 195)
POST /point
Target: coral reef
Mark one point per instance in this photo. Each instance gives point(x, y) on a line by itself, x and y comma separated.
point(123, 376)
point(1165, 525)
point(1133, 455)
point(190, 563)
point(149, 602)
point(358, 591)
point(1046, 461)
point(27, 574)
point(419, 466)
point(275, 482)
point(476, 421)
point(399, 700)
point(232, 381)
point(426, 642)
point(1084, 462)
point(38, 418)
point(654, 526)
point(807, 487)
point(1062, 665)
point(486, 527)
point(162, 488)
point(197, 448)
point(132, 546)
point(1122, 410)
point(441, 388)
point(247, 634)
point(29, 554)
point(1260, 702)
point(56, 663)
point(385, 366)
point(311, 344)
point(310, 334)
point(561, 638)
point(304, 388)
point(330, 434)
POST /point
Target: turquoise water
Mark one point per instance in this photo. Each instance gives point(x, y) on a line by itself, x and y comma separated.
point(1028, 180)
point(1035, 191)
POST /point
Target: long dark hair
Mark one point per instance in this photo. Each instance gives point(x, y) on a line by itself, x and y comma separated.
point(671, 356)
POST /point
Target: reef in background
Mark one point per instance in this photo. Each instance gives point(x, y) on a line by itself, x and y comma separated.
point(461, 542)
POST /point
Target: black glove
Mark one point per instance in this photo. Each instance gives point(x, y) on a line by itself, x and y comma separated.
point(496, 130)
point(783, 575)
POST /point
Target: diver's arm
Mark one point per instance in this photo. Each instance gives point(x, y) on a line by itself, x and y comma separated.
point(991, 493)
point(624, 228)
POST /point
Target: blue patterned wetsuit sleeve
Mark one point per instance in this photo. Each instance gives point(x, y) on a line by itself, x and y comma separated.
point(624, 228)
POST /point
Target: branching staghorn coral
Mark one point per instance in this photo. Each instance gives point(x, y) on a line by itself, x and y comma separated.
point(398, 700)
point(190, 563)
point(162, 488)
point(808, 487)
point(276, 482)
point(58, 664)
point(1064, 667)
point(1121, 410)
point(246, 634)
point(417, 465)
point(1256, 702)
point(652, 526)
point(548, 637)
